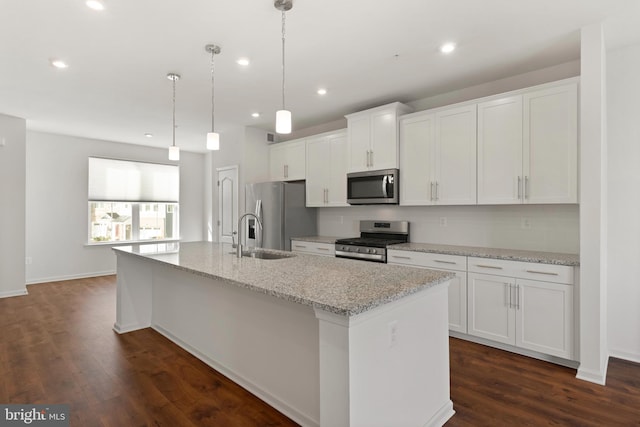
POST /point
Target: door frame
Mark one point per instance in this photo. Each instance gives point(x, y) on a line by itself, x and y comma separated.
point(235, 207)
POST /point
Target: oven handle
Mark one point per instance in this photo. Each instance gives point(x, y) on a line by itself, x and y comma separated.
point(356, 255)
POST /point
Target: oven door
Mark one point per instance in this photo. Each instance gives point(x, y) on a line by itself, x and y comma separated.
point(373, 187)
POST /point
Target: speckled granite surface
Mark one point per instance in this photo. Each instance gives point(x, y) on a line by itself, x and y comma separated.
point(341, 286)
point(316, 239)
point(507, 254)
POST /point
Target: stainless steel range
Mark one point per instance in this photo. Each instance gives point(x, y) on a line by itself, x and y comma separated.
point(374, 238)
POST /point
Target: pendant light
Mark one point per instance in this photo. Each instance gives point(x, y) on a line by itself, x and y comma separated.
point(283, 116)
point(174, 150)
point(213, 138)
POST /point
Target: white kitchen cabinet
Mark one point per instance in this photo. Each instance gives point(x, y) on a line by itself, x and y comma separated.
point(287, 161)
point(438, 157)
point(551, 145)
point(527, 147)
point(457, 288)
point(507, 306)
point(373, 138)
point(315, 248)
point(326, 182)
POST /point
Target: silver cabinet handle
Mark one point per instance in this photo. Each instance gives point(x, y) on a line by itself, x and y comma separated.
point(444, 262)
point(431, 195)
point(517, 297)
point(437, 192)
point(519, 187)
point(322, 249)
point(495, 267)
point(548, 273)
point(400, 257)
point(526, 187)
point(286, 171)
point(300, 246)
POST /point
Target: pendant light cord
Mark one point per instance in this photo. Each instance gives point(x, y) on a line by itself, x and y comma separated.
point(212, 92)
point(283, 68)
point(174, 111)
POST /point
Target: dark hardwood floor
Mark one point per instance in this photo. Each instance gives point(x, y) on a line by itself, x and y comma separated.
point(57, 346)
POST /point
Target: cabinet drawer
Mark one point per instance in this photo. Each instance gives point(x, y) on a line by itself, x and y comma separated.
point(430, 260)
point(522, 270)
point(327, 249)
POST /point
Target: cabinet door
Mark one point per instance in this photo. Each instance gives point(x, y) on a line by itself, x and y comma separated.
point(359, 130)
point(544, 317)
point(295, 166)
point(417, 160)
point(337, 179)
point(277, 160)
point(456, 156)
point(318, 171)
point(500, 151)
point(384, 140)
point(490, 312)
point(551, 145)
point(458, 303)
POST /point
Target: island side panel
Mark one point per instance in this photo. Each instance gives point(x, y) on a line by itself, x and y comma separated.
point(388, 366)
point(266, 344)
point(133, 296)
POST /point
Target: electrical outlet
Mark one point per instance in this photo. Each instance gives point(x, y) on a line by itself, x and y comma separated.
point(28, 260)
point(393, 333)
point(3, 142)
point(443, 221)
point(341, 219)
point(525, 223)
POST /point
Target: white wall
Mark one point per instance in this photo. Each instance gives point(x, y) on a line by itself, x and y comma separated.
point(246, 147)
point(56, 200)
point(623, 86)
point(12, 210)
point(553, 228)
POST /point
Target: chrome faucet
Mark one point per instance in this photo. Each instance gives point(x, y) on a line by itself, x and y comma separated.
point(239, 247)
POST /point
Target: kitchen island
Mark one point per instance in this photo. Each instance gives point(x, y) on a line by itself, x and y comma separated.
point(327, 341)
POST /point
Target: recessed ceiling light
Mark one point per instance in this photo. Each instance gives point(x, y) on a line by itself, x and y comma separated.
point(95, 4)
point(322, 91)
point(58, 63)
point(243, 61)
point(148, 135)
point(255, 115)
point(448, 47)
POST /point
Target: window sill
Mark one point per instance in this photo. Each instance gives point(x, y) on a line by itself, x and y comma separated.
point(127, 242)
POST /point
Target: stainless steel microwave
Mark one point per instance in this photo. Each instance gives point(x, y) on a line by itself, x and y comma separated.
point(373, 187)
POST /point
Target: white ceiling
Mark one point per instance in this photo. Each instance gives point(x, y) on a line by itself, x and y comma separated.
point(364, 52)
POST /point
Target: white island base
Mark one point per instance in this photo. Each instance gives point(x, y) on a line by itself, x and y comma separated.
point(388, 366)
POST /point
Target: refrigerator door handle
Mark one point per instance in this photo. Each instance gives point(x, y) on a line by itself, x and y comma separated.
point(258, 213)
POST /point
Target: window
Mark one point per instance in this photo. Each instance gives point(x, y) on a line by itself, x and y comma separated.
point(132, 201)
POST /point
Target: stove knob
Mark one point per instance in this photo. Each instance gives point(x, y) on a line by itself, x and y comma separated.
point(357, 249)
point(370, 251)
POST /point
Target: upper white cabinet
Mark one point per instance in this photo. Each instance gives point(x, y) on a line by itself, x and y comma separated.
point(326, 183)
point(438, 157)
point(287, 161)
point(527, 147)
point(373, 138)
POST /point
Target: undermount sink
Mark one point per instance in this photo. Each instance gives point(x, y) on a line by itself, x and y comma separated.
point(264, 255)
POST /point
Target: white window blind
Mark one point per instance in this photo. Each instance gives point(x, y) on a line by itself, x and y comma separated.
point(128, 181)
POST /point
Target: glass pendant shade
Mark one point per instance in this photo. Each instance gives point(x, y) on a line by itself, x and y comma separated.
point(174, 153)
point(283, 121)
point(213, 141)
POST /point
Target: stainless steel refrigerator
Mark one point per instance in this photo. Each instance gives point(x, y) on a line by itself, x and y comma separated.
point(281, 208)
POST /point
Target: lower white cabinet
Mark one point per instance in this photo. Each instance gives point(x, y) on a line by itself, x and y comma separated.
point(326, 249)
point(457, 288)
point(532, 314)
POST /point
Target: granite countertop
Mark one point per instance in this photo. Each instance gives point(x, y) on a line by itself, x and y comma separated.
point(342, 286)
point(480, 252)
point(316, 239)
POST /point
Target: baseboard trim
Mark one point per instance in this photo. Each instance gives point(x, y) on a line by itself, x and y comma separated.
point(620, 354)
point(442, 415)
point(254, 389)
point(14, 293)
point(597, 377)
point(70, 277)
